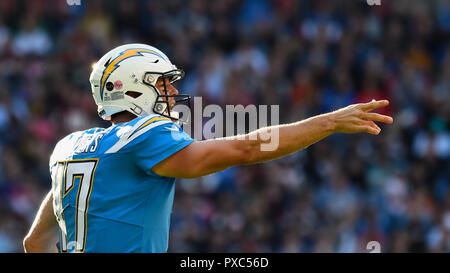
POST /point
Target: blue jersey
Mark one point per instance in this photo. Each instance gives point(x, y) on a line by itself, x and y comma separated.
point(106, 198)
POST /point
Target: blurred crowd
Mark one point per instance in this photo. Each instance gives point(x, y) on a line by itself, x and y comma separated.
point(308, 57)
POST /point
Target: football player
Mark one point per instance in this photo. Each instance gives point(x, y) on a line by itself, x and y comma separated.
point(113, 189)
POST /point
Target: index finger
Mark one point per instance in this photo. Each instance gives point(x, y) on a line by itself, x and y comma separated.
point(374, 105)
point(377, 117)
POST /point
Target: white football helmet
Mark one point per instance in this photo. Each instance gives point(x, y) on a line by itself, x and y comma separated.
point(124, 79)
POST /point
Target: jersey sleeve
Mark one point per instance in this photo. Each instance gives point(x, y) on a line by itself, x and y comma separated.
point(158, 144)
point(62, 150)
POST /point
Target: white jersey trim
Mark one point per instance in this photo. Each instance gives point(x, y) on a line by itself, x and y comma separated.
point(124, 140)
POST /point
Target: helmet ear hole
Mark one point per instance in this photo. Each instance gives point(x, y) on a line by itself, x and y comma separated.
point(133, 94)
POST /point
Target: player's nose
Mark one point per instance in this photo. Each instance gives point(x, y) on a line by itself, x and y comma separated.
point(172, 90)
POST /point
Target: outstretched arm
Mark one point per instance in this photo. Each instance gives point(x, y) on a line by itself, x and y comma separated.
point(42, 236)
point(209, 156)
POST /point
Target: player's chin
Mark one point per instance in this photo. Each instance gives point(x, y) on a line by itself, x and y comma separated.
point(171, 105)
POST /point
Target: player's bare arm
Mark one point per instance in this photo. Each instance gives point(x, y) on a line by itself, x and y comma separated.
point(206, 157)
point(42, 236)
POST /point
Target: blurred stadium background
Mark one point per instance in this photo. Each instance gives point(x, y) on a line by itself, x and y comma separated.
point(309, 57)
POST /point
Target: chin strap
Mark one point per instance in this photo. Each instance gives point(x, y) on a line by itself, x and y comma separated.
point(174, 115)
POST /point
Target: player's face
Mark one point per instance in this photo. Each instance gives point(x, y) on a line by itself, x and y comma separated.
point(171, 90)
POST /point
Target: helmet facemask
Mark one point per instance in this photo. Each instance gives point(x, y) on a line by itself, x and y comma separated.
point(162, 103)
